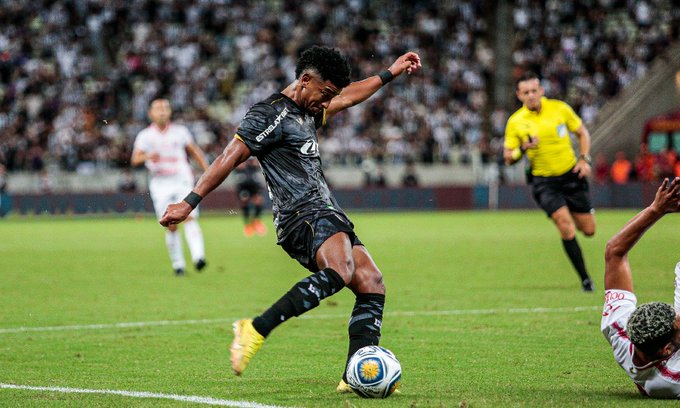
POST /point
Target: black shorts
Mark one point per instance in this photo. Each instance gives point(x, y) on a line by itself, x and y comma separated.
point(552, 193)
point(302, 242)
point(247, 189)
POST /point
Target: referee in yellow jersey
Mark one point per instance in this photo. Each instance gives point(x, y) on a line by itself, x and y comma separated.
point(540, 130)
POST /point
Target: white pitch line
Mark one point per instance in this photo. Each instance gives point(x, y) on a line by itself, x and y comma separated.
point(143, 394)
point(115, 325)
point(575, 309)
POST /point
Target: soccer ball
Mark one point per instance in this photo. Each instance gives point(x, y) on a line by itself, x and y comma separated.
point(373, 372)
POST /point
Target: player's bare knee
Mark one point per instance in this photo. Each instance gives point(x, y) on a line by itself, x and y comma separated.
point(368, 280)
point(345, 269)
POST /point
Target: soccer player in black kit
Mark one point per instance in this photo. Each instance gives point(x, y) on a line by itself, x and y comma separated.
point(310, 225)
point(250, 196)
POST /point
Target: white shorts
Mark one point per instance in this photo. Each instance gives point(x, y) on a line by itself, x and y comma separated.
point(168, 190)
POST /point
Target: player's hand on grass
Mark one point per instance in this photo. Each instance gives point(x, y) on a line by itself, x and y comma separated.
point(409, 62)
point(667, 199)
point(175, 213)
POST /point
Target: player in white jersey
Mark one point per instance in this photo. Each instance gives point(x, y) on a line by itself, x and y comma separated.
point(645, 339)
point(163, 148)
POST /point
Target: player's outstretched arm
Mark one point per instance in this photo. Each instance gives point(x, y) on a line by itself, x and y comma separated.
point(234, 154)
point(359, 91)
point(617, 274)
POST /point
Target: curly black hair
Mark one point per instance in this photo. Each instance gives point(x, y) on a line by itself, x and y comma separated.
point(651, 326)
point(332, 65)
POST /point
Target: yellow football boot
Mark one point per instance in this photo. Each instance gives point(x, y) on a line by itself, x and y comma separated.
point(247, 341)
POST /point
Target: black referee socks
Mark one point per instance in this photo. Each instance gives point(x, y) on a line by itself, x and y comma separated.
point(574, 251)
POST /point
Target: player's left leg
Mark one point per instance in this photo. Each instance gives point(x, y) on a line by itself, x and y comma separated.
point(369, 288)
point(367, 314)
point(173, 241)
point(583, 215)
point(567, 228)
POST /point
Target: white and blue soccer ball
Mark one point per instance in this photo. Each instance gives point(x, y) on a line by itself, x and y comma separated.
point(373, 372)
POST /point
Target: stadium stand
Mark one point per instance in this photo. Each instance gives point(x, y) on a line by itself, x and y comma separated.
point(76, 76)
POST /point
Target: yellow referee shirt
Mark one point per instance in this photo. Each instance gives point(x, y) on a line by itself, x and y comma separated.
point(554, 155)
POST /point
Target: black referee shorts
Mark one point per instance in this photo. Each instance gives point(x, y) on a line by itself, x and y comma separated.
point(302, 241)
point(552, 193)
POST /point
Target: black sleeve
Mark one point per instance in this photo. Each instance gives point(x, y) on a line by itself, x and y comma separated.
point(261, 127)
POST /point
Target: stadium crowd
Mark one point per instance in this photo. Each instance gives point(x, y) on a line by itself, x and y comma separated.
point(76, 76)
point(588, 50)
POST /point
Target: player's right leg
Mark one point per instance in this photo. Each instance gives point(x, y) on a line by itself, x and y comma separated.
point(162, 195)
point(334, 259)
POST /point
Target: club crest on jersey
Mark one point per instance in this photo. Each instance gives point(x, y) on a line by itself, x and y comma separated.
point(310, 148)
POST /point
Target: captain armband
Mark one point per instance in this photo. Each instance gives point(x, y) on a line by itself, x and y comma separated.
point(193, 199)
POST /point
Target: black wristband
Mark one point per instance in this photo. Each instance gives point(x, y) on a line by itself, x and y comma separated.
point(386, 76)
point(193, 199)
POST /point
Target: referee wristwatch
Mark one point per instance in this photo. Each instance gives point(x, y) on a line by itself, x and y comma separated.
point(586, 158)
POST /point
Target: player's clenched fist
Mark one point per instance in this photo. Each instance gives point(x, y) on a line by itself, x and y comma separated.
point(175, 213)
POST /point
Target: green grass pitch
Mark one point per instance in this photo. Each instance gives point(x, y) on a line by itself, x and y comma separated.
point(483, 310)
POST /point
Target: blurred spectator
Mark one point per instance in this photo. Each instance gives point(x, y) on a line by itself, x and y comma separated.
point(621, 168)
point(374, 175)
point(587, 51)
point(5, 199)
point(664, 165)
point(644, 164)
point(410, 177)
point(601, 169)
point(127, 183)
point(76, 76)
point(45, 182)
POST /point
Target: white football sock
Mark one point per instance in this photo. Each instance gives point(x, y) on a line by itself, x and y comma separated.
point(194, 237)
point(173, 240)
